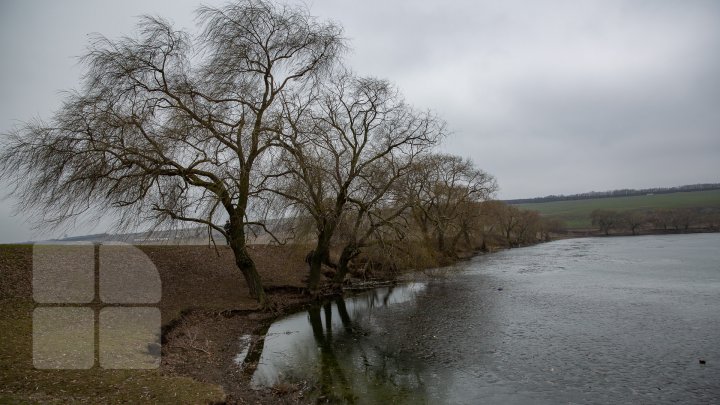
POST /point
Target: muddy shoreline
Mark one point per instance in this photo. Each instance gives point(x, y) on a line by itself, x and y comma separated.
point(205, 311)
point(223, 329)
point(211, 356)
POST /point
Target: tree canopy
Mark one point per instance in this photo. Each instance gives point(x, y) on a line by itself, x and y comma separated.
point(253, 116)
point(169, 126)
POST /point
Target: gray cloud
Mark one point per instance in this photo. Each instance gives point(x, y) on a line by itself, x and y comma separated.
point(549, 96)
point(562, 97)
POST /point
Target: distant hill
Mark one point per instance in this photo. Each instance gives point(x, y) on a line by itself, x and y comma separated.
point(187, 236)
point(576, 213)
point(191, 236)
point(617, 193)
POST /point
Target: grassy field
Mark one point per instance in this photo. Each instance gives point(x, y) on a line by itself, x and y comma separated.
point(576, 214)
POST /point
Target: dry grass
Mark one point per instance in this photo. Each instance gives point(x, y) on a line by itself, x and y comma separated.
point(196, 280)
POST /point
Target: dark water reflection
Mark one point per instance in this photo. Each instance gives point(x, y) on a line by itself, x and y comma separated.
point(606, 320)
point(336, 346)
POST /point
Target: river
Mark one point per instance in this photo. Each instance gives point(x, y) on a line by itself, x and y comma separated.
point(594, 320)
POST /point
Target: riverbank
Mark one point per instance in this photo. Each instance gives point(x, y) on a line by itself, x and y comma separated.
point(205, 308)
point(204, 305)
point(591, 320)
point(594, 232)
point(204, 345)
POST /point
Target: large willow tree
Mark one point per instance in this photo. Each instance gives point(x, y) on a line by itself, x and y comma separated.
point(170, 127)
point(346, 146)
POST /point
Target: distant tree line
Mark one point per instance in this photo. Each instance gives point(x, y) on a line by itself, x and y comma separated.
point(618, 193)
point(445, 223)
point(653, 220)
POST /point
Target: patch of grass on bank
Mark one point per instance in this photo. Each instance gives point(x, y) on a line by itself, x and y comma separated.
point(576, 214)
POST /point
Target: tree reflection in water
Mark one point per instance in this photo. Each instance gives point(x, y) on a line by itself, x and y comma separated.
point(332, 377)
point(349, 363)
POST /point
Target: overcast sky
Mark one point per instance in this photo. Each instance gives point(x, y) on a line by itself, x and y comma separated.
point(551, 97)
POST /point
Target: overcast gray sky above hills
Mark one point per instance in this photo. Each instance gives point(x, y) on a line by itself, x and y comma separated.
point(551, 97)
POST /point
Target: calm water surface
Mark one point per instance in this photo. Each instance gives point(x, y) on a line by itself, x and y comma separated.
point(598, 320)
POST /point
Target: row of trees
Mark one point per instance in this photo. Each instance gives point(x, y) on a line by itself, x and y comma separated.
point(403, 215)
point(169, 127)
point(425, 237)
point(509, 226)
point(255, 117)
point(676, 219)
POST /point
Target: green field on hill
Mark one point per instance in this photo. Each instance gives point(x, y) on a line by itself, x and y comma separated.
point(576, 214)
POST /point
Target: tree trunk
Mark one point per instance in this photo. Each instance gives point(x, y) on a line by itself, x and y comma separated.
point(425, 233)
point(483, 247)
point(247, 266)
point(252, 277)
point(466, 237)
point(349, 252)
point(441, 241)
point(319, 256)
point(237, 242)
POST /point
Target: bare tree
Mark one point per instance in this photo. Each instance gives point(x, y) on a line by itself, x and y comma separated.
point(549, 226)
point(339, 143)
point(442, 190)
point(509, 220)
point(514, 226)
point(683, 218)
point(374, 215)
point(605, 220)
point(528, 227)
point(633, 220)
point(711, 217)
point(660, 218)
point(163, 133)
